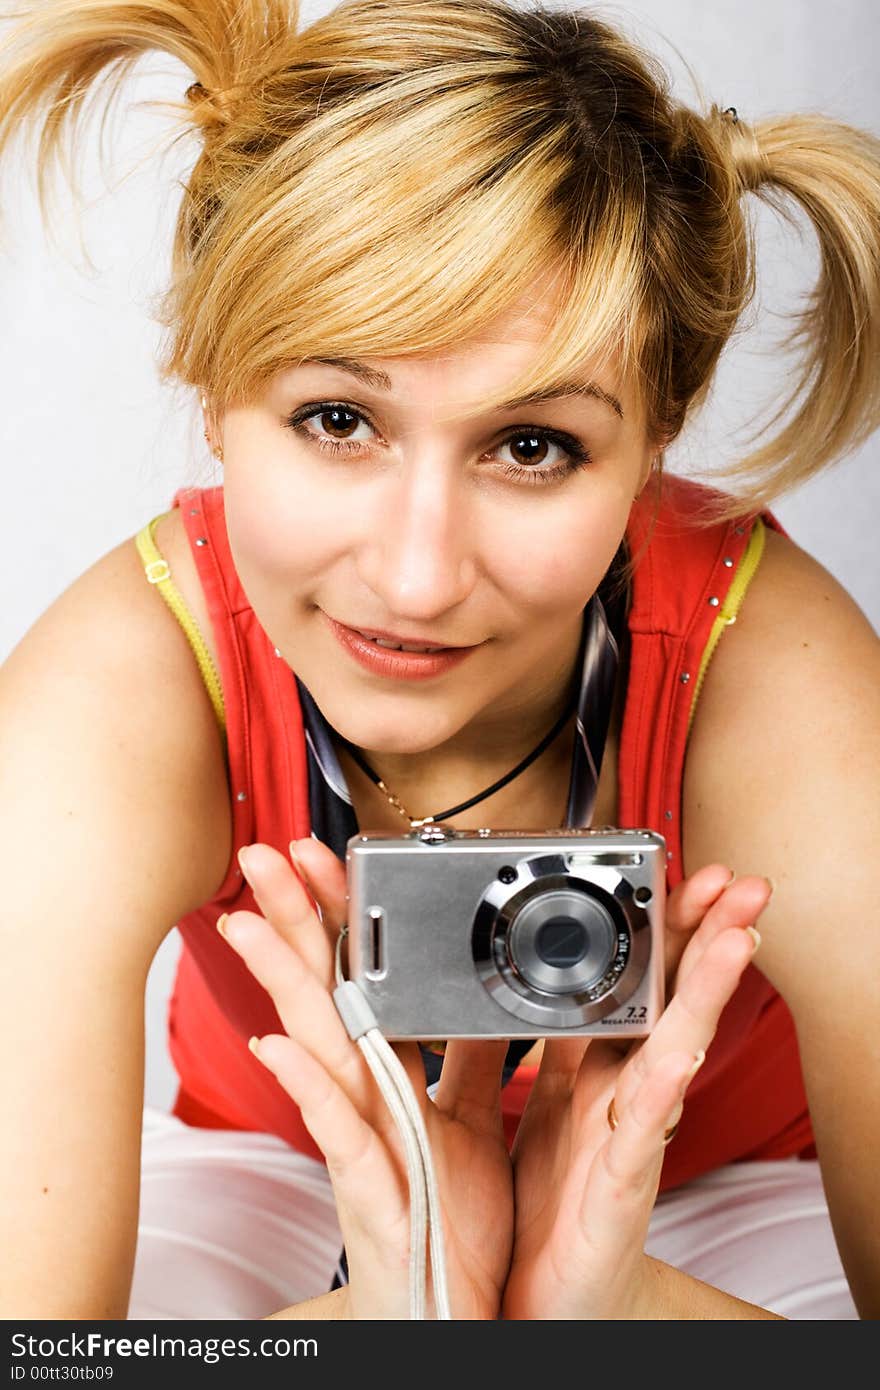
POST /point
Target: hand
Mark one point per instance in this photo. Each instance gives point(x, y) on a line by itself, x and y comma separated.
point(583, 1193)
point(290, 951)
point(686, 906)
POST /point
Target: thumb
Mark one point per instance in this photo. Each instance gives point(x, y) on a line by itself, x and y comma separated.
point(324, 876)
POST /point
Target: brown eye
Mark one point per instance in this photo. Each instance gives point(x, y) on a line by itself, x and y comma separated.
point(542, 455)
point(338, 421)
point(529, 449)
point(330, 426)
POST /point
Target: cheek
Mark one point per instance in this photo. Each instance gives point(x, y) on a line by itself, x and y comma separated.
point(558, 560)
point(280, 533)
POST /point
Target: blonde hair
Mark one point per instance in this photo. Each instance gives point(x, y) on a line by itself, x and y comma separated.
point(388, 179)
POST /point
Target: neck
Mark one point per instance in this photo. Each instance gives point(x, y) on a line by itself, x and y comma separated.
point(481, 753)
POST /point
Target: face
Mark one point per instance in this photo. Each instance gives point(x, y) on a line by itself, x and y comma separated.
point(362, 517)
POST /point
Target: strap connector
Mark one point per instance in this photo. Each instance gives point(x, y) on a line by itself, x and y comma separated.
point(161, 568)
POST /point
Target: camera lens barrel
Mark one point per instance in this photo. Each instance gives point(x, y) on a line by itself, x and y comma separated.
point(560, 948)
point(562, 941)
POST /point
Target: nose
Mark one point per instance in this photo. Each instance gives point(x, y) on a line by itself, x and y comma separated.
point(418, 554)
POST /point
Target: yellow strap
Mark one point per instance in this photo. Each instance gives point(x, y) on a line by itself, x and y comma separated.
point(728, 611)
point(158, 572)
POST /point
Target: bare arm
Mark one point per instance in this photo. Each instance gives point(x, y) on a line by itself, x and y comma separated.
point(327, 1306)
point(104, 784)
point(782, 780)
point(672, 1296)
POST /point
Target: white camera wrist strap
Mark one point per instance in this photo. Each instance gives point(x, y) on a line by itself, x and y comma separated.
point(426, 1222)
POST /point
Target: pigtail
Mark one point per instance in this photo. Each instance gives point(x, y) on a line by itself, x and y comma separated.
point(54, 53)
point(833, 172)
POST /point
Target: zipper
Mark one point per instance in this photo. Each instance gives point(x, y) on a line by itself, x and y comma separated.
point(728, 611)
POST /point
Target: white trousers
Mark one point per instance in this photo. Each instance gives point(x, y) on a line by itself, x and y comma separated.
point(238, 1225)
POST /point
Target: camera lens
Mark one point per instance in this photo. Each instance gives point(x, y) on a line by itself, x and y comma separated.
point(562, 941)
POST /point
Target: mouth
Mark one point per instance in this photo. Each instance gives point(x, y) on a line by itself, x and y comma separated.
point(395, 643)
point(398, 655)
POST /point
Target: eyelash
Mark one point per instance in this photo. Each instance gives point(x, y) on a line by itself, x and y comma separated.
point(578, 456)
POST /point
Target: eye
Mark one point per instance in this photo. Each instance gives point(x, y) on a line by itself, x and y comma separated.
point(339, 419)
point(533, 449)
point(539, 454)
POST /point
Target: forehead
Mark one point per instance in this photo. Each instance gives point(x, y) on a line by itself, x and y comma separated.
point(500, 349)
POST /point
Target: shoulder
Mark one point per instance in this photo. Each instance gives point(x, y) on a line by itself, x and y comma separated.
point(780, 774)
point(110, 652)
point(801, 650)
point(174, 546)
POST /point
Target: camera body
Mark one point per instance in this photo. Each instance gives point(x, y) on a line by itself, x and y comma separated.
point(508, 934)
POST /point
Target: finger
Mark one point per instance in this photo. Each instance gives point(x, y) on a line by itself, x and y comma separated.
point(622, 1182)
point(740, 905)
point(357, 1159)
point(689, 1021)
point(691, 899)
point(470, 1078)
point(304, 1005)
point(310, 1017)
point(283, 899)
point(324, 876)
point(561, 1060)
point(686, 906)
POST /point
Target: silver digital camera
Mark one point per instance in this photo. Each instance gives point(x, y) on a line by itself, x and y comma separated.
point(508, 934)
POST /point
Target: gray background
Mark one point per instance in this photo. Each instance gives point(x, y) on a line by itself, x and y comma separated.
point(93, 446)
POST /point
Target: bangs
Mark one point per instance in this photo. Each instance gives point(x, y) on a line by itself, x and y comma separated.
point(346, 252)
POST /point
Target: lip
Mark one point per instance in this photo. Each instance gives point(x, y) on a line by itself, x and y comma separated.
point(394, 665)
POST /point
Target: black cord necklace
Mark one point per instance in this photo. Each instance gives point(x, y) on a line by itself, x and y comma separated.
point(414, 823)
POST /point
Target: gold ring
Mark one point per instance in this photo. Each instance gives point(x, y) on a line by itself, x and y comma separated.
point(611, 1115)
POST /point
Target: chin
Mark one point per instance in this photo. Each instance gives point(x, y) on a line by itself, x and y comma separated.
point(391, 730)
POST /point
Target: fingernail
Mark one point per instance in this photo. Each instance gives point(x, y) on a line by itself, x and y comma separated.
point(297, 862)
point(732, 877)
point(221, 925)
point(674, 1118)
point(242, 860)
point(699, 1059)
point(254, 1045)
point(756, 937)
point(768, 879)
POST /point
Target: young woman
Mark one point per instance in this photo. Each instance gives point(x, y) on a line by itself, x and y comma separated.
point(449, 277)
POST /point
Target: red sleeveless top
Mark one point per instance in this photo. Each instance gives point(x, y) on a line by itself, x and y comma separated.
point(747, 1101)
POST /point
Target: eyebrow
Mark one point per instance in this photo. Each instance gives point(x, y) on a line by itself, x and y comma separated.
point(381, 381)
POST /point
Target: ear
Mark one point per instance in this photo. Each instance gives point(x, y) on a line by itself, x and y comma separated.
point(209, 429)
point(653, 464)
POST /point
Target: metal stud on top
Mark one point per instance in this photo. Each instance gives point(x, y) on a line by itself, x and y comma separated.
point(201, 540)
